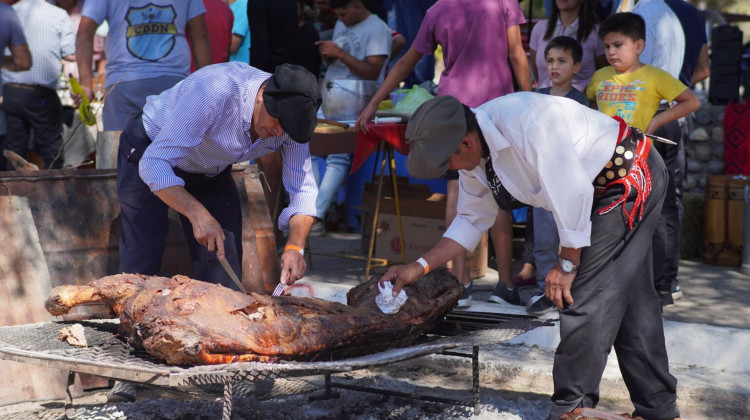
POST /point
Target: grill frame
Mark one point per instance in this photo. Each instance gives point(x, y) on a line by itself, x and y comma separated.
point(111, 357)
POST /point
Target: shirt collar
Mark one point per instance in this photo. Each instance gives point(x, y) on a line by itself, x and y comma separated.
point(572, 28)
point(492, 136)
point(250, 91)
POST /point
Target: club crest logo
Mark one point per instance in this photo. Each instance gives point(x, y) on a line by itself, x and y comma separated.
point(151, 33)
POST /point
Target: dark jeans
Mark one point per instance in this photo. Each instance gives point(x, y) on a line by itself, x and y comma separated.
point(527, 255)
point(666, 244)
point(36, 109)
point(144, 216)
point(615, 304)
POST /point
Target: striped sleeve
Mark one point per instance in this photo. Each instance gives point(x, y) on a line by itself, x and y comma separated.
point(298, 181)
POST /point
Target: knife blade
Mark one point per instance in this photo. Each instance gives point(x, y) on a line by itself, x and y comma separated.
point(231, 273)
point(661, 139)
point(278, 290)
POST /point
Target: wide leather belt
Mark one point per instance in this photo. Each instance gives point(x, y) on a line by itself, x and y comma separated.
point(622, 159)
point(30, 87)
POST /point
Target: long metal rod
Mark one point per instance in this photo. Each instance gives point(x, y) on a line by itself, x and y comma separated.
point(69, 395)
point(475, 378)
point(375, 214)
point(375, 261)
point(392, 160)
point(415, 396)
point(226, 400)
point(472, 402)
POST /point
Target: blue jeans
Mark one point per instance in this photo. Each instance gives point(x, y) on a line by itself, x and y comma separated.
point(337, 168)
point(546, 243)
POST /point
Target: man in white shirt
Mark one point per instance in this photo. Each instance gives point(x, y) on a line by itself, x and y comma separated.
point(605, 189)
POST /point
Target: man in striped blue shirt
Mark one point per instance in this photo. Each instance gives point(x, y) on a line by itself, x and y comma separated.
point(178, 153)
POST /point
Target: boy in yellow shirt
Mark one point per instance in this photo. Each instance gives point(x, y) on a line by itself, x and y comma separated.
point(630, 89)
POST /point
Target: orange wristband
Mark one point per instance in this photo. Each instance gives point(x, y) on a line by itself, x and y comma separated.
point(295, 248)
point(424, 265)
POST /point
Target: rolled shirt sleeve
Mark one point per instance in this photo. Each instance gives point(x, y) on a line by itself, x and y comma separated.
point(298, 180)
point(477, 210)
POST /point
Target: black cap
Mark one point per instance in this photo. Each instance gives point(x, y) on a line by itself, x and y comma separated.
point(292, 95)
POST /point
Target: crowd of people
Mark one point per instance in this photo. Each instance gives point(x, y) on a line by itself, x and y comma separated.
point(198, 85)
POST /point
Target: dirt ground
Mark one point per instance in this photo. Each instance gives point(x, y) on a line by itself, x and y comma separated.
point(443, 376)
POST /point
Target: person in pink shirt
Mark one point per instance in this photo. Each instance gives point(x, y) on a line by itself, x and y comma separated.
point(480, 64)
point(576, 19)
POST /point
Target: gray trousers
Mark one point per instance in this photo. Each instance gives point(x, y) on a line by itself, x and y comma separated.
point(615, 304)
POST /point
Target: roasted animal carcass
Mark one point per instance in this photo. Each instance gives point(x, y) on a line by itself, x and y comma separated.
point(189, 322)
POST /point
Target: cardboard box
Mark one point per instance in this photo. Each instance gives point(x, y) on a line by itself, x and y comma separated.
point(423, 222)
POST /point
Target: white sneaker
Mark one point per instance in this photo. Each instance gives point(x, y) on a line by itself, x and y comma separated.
point(318, 229)
point(465, 300)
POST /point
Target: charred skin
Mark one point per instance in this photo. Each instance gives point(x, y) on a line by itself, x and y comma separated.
point(189, 322)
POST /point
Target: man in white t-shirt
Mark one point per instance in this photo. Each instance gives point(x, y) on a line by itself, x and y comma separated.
point(359, 50)
point(360, 46)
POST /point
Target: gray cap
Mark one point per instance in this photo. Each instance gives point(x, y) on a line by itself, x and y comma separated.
point(434, 132)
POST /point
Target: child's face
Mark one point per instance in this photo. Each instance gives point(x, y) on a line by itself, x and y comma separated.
point(560, 66)
point(622, 52)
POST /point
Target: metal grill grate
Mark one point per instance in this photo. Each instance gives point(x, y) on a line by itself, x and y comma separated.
point(109, 356)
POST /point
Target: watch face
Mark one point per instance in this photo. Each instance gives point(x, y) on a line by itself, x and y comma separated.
point(567, 265)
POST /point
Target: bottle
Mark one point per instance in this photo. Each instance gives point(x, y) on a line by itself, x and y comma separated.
point(84, 109)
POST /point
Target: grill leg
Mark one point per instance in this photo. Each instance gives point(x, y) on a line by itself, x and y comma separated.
point(69, 411)
point(226, 401)
point(328, 393)
point(475, 378)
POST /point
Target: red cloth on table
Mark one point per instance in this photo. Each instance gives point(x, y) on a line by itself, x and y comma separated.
point(367, 143)
point(737, 139)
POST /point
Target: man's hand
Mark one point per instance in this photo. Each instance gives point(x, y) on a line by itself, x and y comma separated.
point(557, 286)
point(206, 229)
point(329, 49)
point(293, 267)
point(366, 116)
point(402, 275)
point(208, 233)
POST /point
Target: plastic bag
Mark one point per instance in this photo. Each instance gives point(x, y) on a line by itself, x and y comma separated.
point(415, 97)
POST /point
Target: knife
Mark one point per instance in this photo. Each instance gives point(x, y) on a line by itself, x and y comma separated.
point(232, 275)
point(661, 139)
point(333, 123)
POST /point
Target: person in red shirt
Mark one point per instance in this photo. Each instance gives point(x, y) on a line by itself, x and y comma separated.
point(219, 20)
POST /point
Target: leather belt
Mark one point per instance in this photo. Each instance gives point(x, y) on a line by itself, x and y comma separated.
point(30, 87)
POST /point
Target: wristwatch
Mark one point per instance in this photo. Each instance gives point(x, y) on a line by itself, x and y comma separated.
point(568, 266)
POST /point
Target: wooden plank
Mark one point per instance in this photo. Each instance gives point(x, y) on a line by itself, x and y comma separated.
point(24, 283)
